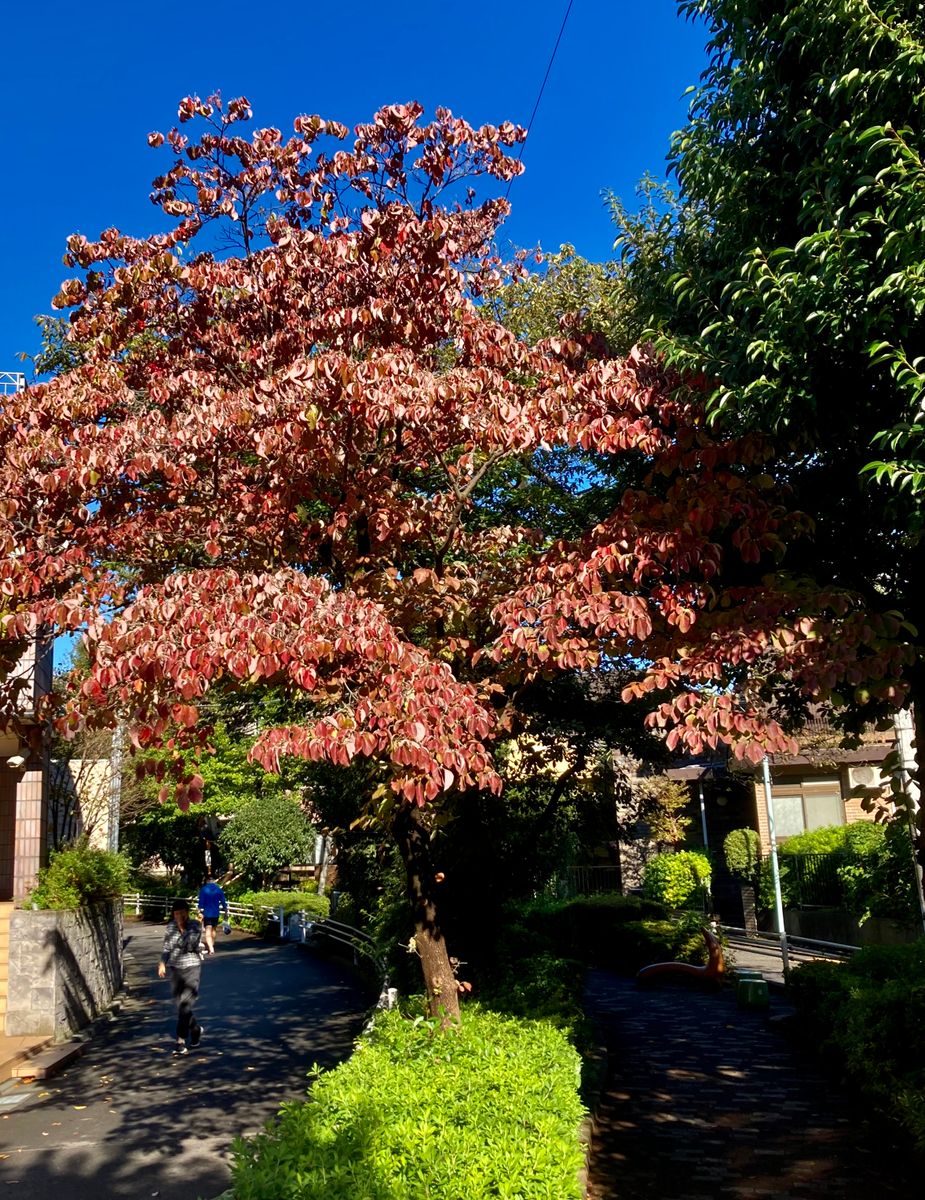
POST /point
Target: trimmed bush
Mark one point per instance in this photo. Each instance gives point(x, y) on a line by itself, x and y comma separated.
point(79, 875)
point(742, 851)
point(677, 879)
point(292, 902)
point(489, 1109)
point(868, 1017)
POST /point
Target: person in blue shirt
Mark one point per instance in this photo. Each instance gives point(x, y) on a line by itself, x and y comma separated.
point(211, 899)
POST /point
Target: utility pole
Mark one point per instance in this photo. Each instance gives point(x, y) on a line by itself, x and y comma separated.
point(775, 869)
point(904, 728)
point(703, 815)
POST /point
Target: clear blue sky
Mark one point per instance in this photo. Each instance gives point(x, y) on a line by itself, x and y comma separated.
point(82, 84)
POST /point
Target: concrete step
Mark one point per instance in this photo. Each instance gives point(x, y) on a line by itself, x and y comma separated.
point(47, 1062)
point(15, 1050)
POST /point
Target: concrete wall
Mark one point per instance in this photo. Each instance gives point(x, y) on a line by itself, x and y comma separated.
point(835, 925)
point(65, 968)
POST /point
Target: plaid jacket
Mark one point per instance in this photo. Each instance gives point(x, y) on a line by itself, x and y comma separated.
point(181, 950)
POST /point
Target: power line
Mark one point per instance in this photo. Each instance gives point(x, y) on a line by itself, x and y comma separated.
point(539, 97)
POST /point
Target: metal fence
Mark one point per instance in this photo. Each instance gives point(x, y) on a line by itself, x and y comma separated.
point(140, 903)
point(587, 881)
point(812, 880)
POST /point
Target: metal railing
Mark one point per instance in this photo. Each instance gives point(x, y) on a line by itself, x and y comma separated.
point(588, 881)
point(813, 947)
point(813, 879)
point(139, 901)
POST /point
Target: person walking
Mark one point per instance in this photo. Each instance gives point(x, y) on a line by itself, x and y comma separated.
point(211, 899)
point(181, 957)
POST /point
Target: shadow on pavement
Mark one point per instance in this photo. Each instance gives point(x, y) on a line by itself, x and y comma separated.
point(130, 1121)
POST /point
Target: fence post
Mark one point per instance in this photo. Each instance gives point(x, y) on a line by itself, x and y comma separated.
point(138, 904)
point(283, 931)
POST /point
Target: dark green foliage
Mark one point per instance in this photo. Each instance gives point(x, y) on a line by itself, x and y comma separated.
point(173, 837)
point(742, 850)
point(80, 875)
point(534, 963)
point(787, 275)
point(489, 1109)
point(677, 880)
point(265, 835)
point(868, 1016)
point(878, 875)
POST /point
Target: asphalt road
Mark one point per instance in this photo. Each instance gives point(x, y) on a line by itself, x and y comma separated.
point(128, 1121)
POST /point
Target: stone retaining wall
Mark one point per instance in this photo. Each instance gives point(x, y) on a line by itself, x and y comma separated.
point(65, 968)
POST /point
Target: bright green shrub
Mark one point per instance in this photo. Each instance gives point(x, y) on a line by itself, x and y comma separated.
point(489, 1109)
point(677, 879)
point(872, 870)
point(292, 902)
point(826, 840)
point(742, 851)
point(868, 1017)
point(79, 875)
point(864, 837)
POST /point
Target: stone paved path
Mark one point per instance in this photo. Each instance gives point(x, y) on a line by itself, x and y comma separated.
point(706, 1101)
point(127, 1121)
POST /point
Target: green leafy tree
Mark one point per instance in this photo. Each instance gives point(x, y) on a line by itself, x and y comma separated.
point(266, 835)
point(787, 273)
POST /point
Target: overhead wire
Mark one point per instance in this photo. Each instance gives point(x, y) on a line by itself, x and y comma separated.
point(539, 97)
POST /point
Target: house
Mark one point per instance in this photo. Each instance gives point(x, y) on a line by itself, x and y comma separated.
point(822, 785)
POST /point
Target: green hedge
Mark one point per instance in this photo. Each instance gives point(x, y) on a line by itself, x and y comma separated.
point(78, 876)
point(291, 902)
point(868, 1017)
point(489, 1109)
point(677, 878)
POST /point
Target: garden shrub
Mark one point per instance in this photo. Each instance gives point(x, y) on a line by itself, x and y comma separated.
point(868, 1017)
point(677, 879)
point(488, 1109)
point(80, 875)
point(872, 870)
point(742, 851)
point(292, 902)
point(826, 840)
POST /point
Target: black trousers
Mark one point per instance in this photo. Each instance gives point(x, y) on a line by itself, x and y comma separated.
point(184, 982)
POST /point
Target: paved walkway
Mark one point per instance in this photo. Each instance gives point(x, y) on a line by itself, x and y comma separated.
point(705, 1101)
point(127, 1121)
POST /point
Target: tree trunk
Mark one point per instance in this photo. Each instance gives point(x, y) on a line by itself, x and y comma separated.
point(413, 840)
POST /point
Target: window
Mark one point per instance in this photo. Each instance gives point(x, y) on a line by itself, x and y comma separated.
point(807, 804)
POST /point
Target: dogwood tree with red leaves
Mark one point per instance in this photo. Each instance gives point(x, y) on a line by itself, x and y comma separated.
point(274, 465)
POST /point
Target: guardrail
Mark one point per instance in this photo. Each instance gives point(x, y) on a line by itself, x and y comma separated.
point(138, 901)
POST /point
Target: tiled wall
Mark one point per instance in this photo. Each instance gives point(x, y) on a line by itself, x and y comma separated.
point(30, 832)
point(8, 782)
